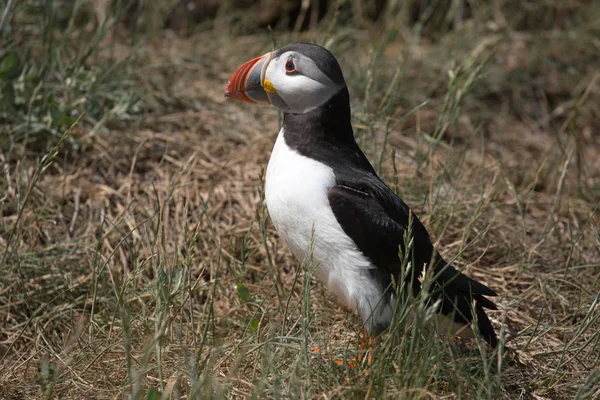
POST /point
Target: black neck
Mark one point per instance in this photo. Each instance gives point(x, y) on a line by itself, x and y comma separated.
point(329, 122)
point(325, 134)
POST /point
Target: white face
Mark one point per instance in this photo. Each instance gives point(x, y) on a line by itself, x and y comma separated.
point(299, 85)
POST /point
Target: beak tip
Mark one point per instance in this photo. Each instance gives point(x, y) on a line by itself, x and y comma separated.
point(229, 91)
point(238, 95)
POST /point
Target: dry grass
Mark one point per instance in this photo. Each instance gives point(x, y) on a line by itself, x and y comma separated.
point(137, 256)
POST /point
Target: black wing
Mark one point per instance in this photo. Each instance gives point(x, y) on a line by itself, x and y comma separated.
point(377, 219)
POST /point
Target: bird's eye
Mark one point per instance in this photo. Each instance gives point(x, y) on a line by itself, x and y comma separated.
point(290, 67)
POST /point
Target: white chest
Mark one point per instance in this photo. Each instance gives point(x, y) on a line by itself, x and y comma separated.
point(296, 194)
point(297, 198)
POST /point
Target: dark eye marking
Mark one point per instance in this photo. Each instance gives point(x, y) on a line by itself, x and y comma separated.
point(290, 67)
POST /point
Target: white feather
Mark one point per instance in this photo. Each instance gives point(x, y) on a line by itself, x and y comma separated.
point(296, 194)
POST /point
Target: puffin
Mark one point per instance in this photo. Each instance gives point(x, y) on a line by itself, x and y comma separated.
point(327, 202)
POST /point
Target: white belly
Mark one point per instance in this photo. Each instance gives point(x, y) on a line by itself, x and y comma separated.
point(296, 193)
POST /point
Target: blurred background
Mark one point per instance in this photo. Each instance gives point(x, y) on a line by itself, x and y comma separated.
point(136, 254)
point(62, 59)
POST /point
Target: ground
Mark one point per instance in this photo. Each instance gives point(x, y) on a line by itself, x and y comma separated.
point(137, 257)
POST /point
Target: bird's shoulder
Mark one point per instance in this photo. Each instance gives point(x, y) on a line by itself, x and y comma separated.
point(369, 193)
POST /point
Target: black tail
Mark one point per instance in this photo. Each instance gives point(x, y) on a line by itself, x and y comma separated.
point(458, 293)
point(483, 322)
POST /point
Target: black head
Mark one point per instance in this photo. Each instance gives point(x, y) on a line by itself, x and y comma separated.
point(296, 78)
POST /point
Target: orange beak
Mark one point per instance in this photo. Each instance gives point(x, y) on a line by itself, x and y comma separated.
point(247, 83)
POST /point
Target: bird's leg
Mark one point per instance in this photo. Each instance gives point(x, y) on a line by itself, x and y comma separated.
point(366, 345)
point(351, 363)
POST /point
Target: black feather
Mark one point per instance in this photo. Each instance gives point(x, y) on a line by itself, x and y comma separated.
point(485, 326)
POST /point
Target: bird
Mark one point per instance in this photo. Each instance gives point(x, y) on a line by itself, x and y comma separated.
point(327, 202)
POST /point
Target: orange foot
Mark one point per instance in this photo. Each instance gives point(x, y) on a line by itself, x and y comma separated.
point(365, 344)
